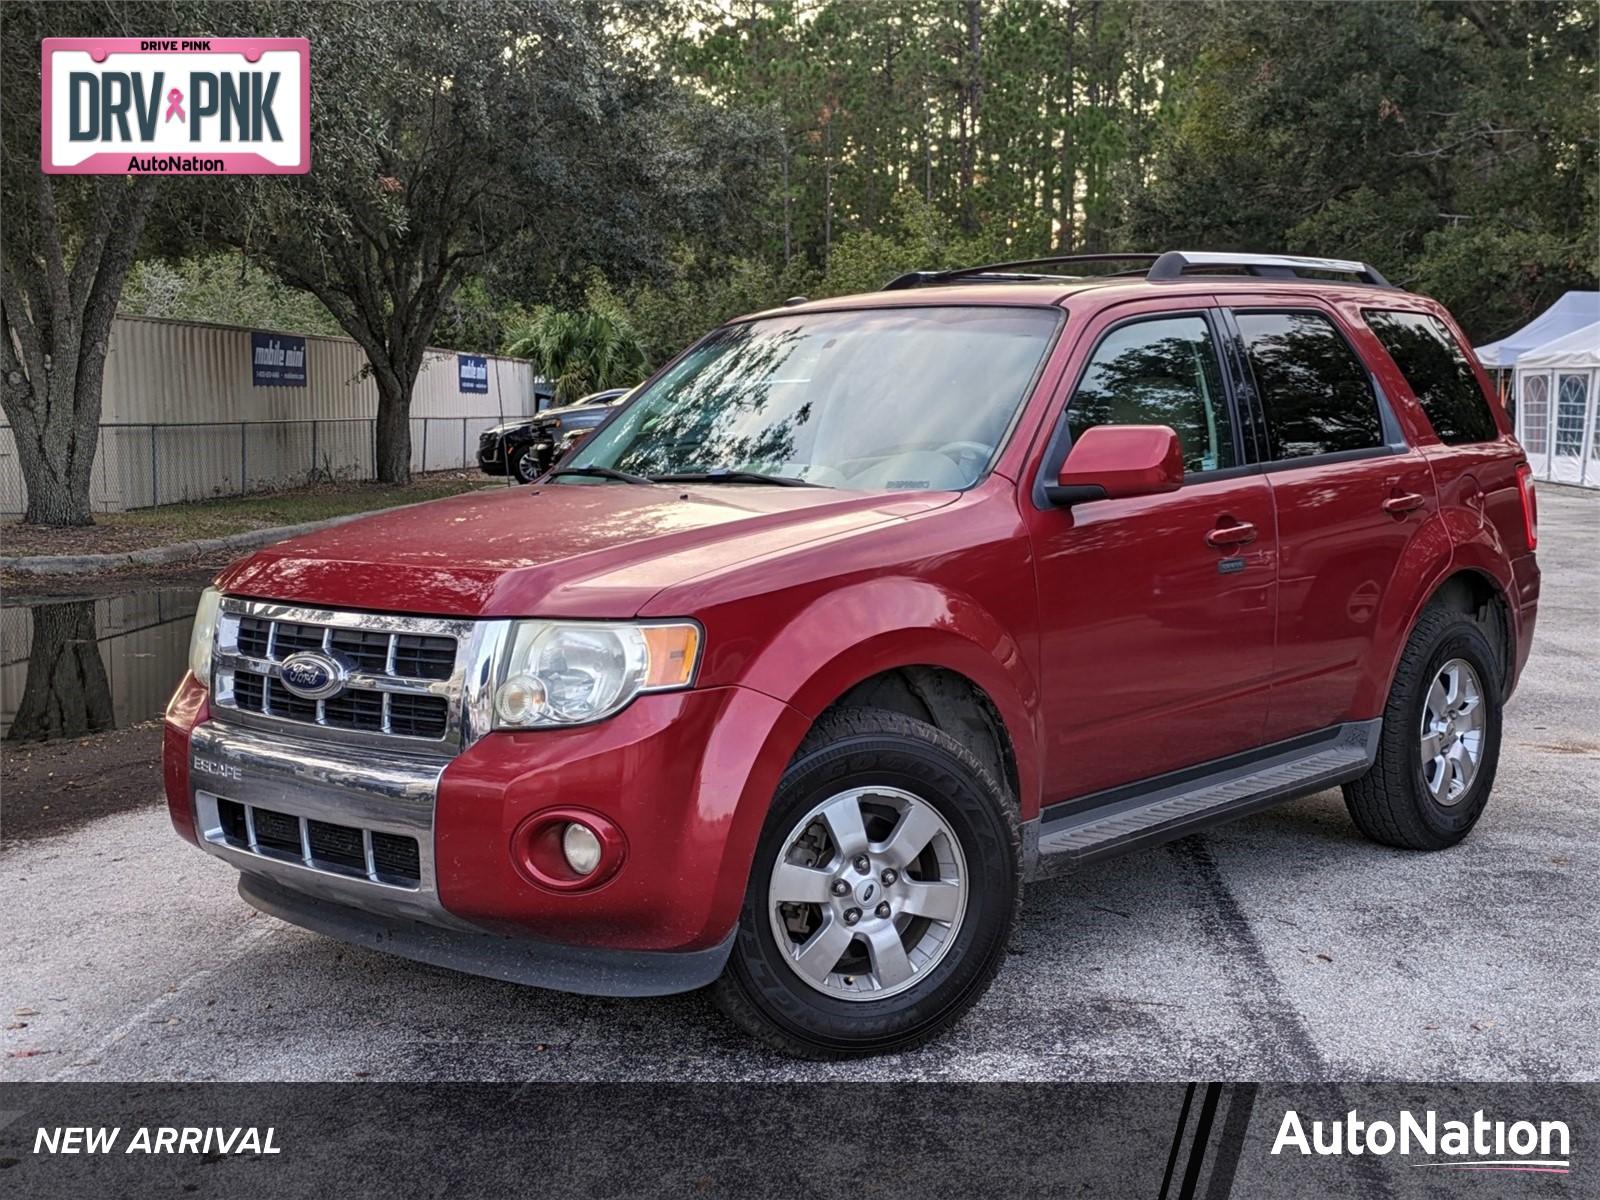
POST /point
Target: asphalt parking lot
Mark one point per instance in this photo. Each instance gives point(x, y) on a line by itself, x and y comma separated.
point(1282, 947)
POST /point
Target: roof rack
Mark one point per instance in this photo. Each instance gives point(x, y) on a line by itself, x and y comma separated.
point(1172, 265)
point(924, 278)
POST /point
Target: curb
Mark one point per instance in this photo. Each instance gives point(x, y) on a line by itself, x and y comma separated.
point(160, 556)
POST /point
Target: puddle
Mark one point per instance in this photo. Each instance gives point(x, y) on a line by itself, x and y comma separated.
point(73, 667)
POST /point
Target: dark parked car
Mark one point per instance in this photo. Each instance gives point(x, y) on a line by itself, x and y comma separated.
point(528, 446)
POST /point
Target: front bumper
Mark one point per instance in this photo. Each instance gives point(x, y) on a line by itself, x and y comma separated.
point(587, 970)
point(492, 457)
point(687, 777)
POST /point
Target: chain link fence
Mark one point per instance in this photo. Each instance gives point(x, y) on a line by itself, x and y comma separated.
point(146, 463)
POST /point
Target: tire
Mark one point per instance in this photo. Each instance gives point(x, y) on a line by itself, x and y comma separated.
point(524, 467)
point(1401, 801)
point(904, 777)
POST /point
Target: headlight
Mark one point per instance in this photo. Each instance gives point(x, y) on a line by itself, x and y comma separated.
point(572, 673)
point(204, 635)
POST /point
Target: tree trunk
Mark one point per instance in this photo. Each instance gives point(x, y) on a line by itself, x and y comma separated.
point(1094, 178)
point(392, 438)
point(827, 189)
point(57, 473)
point(969, 123)
point(1069, 159)
point(788, 205)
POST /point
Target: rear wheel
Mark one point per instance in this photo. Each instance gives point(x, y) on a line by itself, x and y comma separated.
point(884, 889)
point(1440, 744)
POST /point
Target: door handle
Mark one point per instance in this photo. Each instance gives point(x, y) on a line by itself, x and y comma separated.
point(1237, 534)
point(1399, 506)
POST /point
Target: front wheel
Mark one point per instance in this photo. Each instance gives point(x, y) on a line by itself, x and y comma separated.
point(1440, 742)
point(883, 893)
point(525, 465)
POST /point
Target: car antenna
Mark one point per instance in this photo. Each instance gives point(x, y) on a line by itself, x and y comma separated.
point(793, 300)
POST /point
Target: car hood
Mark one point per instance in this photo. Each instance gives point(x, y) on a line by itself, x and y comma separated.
point(561, 550)
point(507, 426)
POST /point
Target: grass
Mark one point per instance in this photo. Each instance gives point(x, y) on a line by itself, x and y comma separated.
point(149, 527)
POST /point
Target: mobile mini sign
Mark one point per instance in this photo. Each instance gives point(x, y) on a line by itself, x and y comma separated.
point(172, 106)
point(472, 373)
point(277, 360)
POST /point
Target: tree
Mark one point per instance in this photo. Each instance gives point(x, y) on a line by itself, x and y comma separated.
point(582, 351)
point(69, 241)
point(1453, 145)
point(511, 131)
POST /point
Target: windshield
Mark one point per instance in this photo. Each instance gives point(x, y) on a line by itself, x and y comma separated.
point(900, 398)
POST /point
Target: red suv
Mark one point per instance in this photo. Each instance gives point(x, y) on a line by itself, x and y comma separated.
point(863, 612)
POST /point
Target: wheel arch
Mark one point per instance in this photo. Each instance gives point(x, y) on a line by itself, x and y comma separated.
point(948, 701)
point(912, 647)
point(1470, 587)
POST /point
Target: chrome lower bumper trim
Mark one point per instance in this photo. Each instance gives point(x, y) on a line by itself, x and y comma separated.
point(339, 784)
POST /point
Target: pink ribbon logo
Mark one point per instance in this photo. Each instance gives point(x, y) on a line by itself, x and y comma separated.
point(175, 105)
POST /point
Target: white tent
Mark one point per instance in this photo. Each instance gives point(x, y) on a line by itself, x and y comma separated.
point(1573, 311)
point(1558, 406)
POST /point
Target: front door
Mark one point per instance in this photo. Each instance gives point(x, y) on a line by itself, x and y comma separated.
point(1156, 613)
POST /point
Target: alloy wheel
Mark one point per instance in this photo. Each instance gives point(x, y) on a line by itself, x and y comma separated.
point(868, 893)
point(1452, 732)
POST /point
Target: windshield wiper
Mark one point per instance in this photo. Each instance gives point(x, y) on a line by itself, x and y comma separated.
point(732, 475)
point(601, 473)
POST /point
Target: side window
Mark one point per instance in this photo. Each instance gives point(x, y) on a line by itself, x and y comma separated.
point(1159, 372)
point(1438, 372)
point(1313, 388)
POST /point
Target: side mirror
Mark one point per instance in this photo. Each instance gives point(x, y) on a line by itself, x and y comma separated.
point(1115, 462)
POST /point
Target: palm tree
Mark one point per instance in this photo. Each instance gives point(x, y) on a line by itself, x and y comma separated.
point(581, 351)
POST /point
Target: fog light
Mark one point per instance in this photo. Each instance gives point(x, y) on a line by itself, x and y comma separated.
point(581, 848)
point(520, 699)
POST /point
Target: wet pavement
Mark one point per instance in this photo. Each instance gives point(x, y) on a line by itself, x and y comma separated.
point(71, 666)
point(1280, 947)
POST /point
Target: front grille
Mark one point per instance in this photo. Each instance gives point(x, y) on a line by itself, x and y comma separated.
point(380, 655)
point(339, 849)
point(352, 708)
point(395, 857)
point(277, 832)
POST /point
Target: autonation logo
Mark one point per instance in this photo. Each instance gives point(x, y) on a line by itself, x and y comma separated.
point(1480, 1144)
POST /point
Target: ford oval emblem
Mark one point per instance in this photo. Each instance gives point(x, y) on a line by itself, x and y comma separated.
point(312, 675)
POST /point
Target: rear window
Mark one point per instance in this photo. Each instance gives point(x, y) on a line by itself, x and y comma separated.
point(1314, 390)
point(1438, 372)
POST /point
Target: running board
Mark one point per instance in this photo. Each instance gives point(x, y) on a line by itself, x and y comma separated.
point(1171, 806)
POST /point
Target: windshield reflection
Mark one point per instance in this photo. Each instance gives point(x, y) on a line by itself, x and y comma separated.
point(903, 399)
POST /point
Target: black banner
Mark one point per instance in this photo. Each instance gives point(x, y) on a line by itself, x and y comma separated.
point(277, 360)
point(1162, 1141)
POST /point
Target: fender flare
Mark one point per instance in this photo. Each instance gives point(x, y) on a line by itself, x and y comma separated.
point(1478, 553)
point(854, 633)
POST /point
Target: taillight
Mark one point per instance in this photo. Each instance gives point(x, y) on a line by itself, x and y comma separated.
point(1530, 506)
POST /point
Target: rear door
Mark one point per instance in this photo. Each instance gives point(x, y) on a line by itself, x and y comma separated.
point(1349, 495)
point(1465, 440)
point(1156, 613)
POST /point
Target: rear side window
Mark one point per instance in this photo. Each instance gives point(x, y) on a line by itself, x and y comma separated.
point(1159, 372)
point(1438, 372)
point(1315, 391)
